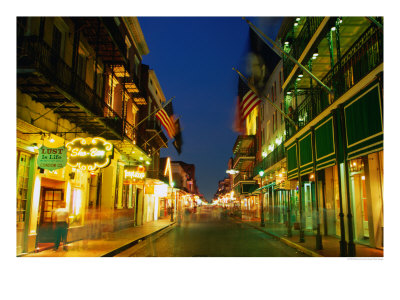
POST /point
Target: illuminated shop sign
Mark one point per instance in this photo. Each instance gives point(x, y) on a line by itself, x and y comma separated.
point(52, 158)
point(89, 153)
point(134, 172)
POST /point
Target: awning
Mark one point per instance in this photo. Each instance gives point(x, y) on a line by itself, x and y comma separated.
point(266, 186)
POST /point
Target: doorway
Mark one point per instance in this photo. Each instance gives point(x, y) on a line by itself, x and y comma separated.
point(51, 199)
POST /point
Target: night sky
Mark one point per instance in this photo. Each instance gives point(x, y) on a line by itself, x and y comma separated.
point(193, 59)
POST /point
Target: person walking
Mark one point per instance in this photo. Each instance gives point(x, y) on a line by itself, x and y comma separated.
point(61, 224)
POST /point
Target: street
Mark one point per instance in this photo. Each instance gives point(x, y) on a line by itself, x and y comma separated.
point(208, 233)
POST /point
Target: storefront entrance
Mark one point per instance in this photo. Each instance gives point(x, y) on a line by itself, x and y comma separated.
point(51, 199)
point(309, 199)
point(359, 199)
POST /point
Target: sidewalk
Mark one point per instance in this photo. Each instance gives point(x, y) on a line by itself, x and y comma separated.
point(330, 244)
point(115, 243)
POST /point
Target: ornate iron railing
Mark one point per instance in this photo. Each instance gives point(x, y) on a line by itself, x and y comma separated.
point(243, 176)
point(364, 56)
point(242, 153)
point(275, 156)
point(299, 44)
point(35, 54)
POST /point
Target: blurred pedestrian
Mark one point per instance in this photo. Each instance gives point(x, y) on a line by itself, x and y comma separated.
point(61, 227)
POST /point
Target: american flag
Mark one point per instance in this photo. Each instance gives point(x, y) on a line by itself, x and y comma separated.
point(167, 120)
point(249, 102)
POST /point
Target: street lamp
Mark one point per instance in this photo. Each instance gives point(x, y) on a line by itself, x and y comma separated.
point(261, 173)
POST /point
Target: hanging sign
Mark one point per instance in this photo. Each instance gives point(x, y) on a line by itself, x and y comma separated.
point(89, 153)
point(52, 158)
point(134, 172)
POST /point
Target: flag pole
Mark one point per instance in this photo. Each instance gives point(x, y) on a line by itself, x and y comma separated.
point(146, 142)
point(160, 132)
point(261, 34)
point(161, 146)
point(374, 21)
point(166, 103)
point(265, 98)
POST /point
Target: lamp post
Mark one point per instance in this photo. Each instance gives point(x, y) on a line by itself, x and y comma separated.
point(261, 173)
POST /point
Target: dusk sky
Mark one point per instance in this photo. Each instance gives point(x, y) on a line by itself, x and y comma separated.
point(193, 59)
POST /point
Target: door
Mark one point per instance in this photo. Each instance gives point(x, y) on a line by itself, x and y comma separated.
point(56, 47)
point(308, 205)
point(50, 201)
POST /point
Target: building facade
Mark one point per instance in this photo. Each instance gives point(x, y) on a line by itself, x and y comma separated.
point(79, 81)
point(335, 155)
point(320, 173)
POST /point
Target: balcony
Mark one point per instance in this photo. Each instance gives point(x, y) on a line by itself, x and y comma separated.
point(49, 80)
point(155, 136)
point(243, 177)
point(300, 42)
point(274, 157)
point(103, 34)
point(244, 152)
point(359, 60)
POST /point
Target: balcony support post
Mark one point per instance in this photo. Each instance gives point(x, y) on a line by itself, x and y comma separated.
point(318, 237)
point(301, 234)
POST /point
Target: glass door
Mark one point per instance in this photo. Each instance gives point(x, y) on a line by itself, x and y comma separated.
point(50, 201)
point(308, 205)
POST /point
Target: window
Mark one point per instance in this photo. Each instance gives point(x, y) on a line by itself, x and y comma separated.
point(137, 63)
point(128, 46)
point(125, 196)
point(262, 112)
point(81, 66)
point(274, 91)
point(116, 187)
point(99, 81)
point(262, 137)
point(22, 184)
point(112, 83)
point(273, 122)
point(282, 118)
point(280, 81)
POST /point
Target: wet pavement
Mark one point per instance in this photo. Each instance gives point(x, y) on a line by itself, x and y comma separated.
point(110, 245)
point(208, 233)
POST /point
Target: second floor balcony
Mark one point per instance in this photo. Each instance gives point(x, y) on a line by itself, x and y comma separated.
point(42, 74)
point(364, 56)
point(272, 158)
point(244, 152)
point(246, 176)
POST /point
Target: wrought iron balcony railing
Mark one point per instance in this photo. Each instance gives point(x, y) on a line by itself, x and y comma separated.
point(244, 153)
point(243, 176)
point(35, 54)
point(300, 43)
point(364, 56)
point(275, 156)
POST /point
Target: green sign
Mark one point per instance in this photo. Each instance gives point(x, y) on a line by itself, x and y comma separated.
point(52, 158)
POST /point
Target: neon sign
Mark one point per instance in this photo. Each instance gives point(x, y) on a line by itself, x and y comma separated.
point(89, 153)
point(134, 173)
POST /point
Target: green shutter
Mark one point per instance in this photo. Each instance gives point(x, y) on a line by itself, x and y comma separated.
point(364, 123)
point(306, 154)
point(325, 143)
point(292, 161)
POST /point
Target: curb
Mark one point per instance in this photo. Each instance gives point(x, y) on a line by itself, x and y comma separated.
point(286, 241)
point(135, 242)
